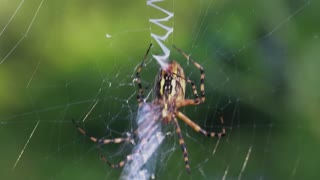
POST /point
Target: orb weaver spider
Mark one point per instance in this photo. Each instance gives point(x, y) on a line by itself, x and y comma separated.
point(169, 93)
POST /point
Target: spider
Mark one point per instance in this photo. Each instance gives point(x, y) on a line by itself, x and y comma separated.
point(169, 93)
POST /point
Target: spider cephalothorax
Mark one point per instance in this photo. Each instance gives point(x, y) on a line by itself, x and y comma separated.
point(170, 85)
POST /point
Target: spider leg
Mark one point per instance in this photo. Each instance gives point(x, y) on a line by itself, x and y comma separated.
point(195, 93)
point(140, 95)
point(197, 128)
point(136, 152)
point(117, 165)
point(186, 102)
point(182, 144)
point(102, 140)
point(202, 76)
point(107, 141)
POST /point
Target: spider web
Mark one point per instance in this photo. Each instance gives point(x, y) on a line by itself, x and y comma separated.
point(61, 60)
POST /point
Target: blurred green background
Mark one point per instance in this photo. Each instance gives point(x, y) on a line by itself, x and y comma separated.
point(261, 60)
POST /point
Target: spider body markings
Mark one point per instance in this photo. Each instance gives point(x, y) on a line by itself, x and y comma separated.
point(169, 89)
point(169, 93)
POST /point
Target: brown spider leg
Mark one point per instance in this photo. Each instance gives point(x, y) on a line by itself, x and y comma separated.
point(194, 89)
point(186, 102)
point(197, 128)
point(182, 144)
point(202, 76)
point(102, 140)
point(123, 162)
point(106, 141)
point(195, 93)
point(140, 95)
point(117, 165)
